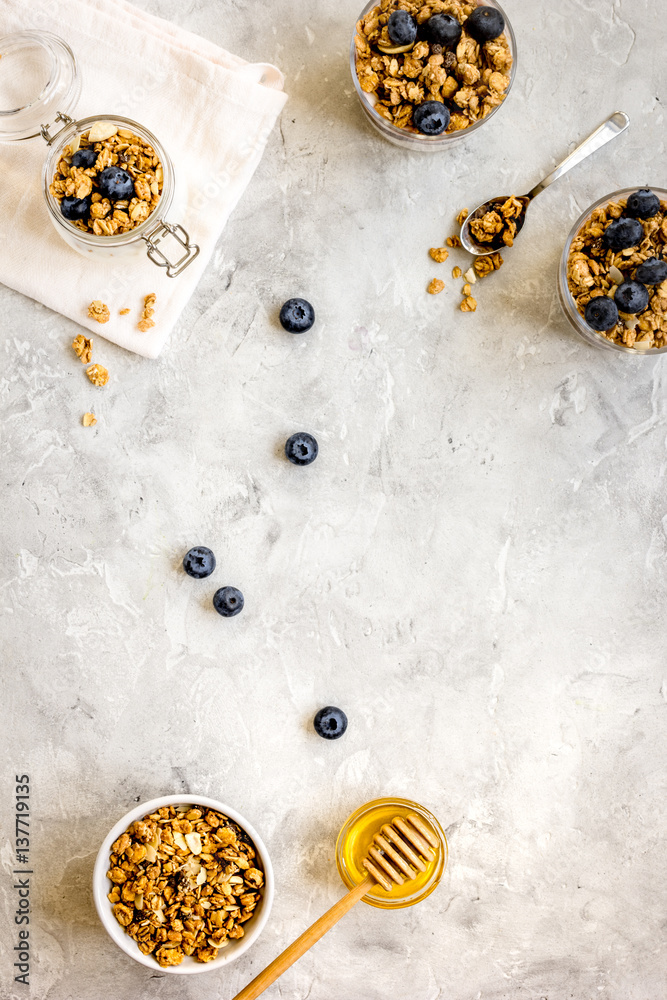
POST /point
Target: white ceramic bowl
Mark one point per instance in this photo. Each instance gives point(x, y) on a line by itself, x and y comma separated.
point(102, 885)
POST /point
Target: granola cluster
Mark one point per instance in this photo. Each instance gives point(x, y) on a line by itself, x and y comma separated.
point(115, 147)
point(471, 80)
point(147, 321)
point(185, 881)
point(593, 270)
point(481, 267)
point(498, 226)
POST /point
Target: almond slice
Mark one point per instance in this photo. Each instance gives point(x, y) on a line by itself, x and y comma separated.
point(201, 876)
point(394, 50)
point(101, 131)
point(180, 841)
point(193, 841)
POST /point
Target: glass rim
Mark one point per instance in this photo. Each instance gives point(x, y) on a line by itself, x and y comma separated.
point(428, 140)
point(567, 302)
point(158, 213)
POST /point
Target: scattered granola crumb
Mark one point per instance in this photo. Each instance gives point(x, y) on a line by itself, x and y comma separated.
point(468, 305)
point(83, 348)
point(184, 882)
point(485, 265)
point(470, 275)
point(462, 216)
point(97, 310)
point(147, 321)
point(89, 420)
point(466, 290)
point(97, 375)
point(456, 272)
point(453, 241)
point(123, 312)
point(439, 254)
point(435, 287)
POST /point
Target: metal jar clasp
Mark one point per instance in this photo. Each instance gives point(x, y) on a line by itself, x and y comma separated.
point(155, 237)
point(44, 129)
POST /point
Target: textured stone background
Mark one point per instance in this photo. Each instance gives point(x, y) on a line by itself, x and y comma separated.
point(475, 568)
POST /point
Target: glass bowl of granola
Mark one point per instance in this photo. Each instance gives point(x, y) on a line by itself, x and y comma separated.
point(108, 183)
point(183, 884)
point(612, 284)
point(440, 86)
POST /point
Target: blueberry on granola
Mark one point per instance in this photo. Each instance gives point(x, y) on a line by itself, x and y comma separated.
point(601, 313)
point(301, 448)
point(643, 204)
point(431, 117)
point(199, 562)
point(402, 28)
point(485, 24)
point(631, 297)
point(85, 159)
point(330, 723)
point(297, 316)
point(116, 184)
point(623, 234)
point(442, 29)
point(228, 601)
point(652, 271)
point(75, 208)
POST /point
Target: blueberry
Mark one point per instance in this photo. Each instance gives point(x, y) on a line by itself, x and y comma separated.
point(115, 183)
point(631, 297)
point(601, 313)
point(75, 208)
point(297, 316)
point(652, 271)
point(431, 117)
point(441, 29)
point(330, 723)
point(84, 158)
point(643, 204)
point(301, 448)
point(402, 28)
point(228, 601)
point(485, 24)
point(622, 234)
point(199, 562)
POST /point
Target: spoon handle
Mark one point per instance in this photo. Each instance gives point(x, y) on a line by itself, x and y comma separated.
point(613, 126)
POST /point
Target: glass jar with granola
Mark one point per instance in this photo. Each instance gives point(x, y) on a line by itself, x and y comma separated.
point(429, 72)
point(108, 183)
point(612, 279)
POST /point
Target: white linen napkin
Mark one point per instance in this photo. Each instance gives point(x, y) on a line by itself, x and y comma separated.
point(212, 111)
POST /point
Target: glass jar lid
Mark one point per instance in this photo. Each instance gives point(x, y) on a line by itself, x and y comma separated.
point(39, 79)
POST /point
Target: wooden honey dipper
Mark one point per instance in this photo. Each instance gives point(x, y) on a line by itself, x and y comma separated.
point(399, 851)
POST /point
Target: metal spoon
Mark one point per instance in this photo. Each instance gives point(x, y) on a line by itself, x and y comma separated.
point(613, 126)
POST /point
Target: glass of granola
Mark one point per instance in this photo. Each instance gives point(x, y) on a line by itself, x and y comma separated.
point(183, 884)
point(612, 279)
point(437, 87)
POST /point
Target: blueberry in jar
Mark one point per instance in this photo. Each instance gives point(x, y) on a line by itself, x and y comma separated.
point(601, 313)
point(84, 159)
point(402, 28)
point(652, 271)
point(297, 316)
point(643, 204)
point(431, 117)
point(116, 184)
point(228, 601)
point(442, 29)
point(330, 723)
point(623, 234)
point(75, 208)
point(631, 297)
point(485, 24)
point(199, 562)
point(301, 448)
